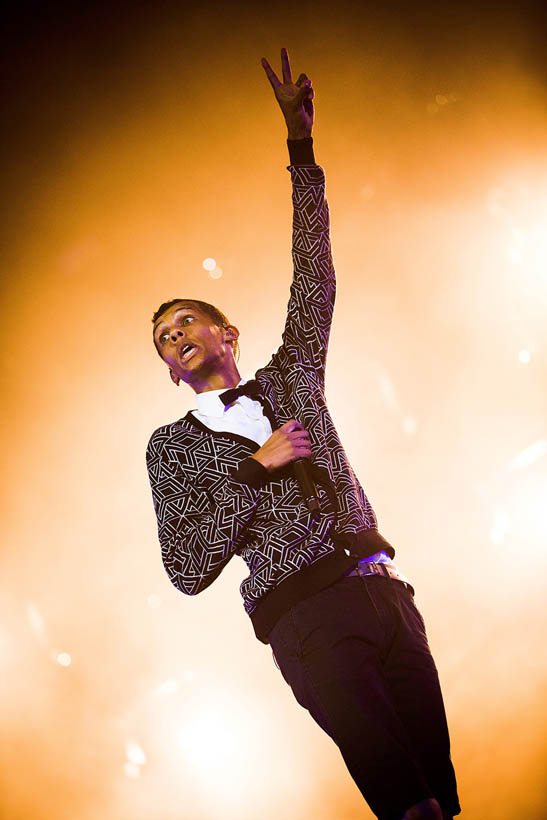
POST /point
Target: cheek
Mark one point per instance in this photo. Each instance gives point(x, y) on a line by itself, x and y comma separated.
point(166, 357)
point(205, 340)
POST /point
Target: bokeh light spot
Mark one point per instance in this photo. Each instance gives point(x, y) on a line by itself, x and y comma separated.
point(167, 687)
point(134, 752)
point(64, 659)
point(131, 770)
point(35, 621)
point(500, 526)
point(409, 425)
point(529, 455)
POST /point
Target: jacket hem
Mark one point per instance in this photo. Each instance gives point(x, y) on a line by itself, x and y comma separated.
point(315, 577)
point(295, 588)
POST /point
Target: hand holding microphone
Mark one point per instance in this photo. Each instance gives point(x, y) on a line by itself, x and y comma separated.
point(291, 442)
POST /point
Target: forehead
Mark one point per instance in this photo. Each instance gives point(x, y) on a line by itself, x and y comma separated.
point(168, 314)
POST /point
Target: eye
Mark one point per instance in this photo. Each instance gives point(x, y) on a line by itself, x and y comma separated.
point(162, 338)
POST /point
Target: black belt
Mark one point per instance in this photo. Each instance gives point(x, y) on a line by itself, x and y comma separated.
point(371, 568)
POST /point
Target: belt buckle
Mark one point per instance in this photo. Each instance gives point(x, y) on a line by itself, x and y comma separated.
point(368, 568)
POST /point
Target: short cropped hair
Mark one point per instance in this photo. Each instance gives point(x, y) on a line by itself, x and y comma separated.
point(214, 314)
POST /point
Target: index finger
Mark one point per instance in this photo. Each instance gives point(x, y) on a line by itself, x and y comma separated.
point(286, 66)
point(272, 77)
point(296, 425)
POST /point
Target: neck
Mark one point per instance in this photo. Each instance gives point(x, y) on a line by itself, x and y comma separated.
point(218, 381)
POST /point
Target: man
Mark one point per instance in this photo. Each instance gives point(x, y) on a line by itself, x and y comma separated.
point(244, 474)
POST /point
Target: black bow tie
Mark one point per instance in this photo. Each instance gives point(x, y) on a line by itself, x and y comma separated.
point(251, 389)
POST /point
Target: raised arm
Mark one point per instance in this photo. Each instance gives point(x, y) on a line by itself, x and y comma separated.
point(313, 289)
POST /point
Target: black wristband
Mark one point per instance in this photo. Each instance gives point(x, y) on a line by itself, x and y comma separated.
point(252, 472)
point(301, 151)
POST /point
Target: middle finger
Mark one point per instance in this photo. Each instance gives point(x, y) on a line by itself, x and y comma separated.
point(300, 434)
point(286, 66)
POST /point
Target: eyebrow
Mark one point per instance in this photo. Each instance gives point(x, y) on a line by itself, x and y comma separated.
point(178, 310)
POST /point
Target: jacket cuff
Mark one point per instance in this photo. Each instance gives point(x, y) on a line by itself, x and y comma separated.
point(301, 151)
point(251, 472)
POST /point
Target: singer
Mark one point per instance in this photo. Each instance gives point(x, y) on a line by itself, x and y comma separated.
point(258, 470)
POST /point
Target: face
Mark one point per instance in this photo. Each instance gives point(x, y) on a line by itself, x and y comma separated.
point(209, 364)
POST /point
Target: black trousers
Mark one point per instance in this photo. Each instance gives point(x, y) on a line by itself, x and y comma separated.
point(356, 657)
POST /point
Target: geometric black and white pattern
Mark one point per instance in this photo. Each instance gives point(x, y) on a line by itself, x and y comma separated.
point(205, 516)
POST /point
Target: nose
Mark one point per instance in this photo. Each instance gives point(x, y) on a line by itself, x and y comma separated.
point(176, 333)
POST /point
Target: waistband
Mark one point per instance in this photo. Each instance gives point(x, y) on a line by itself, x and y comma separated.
point(386, 568)
point(312, 578)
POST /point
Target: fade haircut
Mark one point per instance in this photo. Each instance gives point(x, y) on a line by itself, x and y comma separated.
point(214, 314)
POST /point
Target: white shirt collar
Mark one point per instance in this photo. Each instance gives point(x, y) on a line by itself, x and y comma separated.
point(209, 403)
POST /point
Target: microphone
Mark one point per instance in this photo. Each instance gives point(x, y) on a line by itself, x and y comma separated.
point(303, 473)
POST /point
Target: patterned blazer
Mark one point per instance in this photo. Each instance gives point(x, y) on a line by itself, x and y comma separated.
point(213, 501)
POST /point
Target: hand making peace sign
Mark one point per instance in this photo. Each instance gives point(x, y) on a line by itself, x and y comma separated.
point(295, 99)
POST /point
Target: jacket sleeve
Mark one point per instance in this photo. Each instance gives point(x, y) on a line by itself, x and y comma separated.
point(199, 528)
point(313, 289)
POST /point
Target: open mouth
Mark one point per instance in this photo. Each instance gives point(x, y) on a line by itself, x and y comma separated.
point(187, 352)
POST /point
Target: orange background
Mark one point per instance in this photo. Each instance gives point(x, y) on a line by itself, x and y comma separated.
point(141, 141)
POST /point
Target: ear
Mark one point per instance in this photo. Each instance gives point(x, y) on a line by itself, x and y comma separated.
point(174, 379)
point(233, 332)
